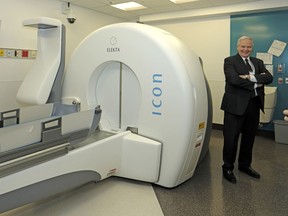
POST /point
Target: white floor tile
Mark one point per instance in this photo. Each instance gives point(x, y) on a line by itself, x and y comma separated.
point(111, 197)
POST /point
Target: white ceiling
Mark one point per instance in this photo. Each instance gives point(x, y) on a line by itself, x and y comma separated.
point(153, 6)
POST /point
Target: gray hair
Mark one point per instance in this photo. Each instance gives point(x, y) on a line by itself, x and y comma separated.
point(243, 38)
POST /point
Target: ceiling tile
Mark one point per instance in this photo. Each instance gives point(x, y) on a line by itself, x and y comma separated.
point(153, 6)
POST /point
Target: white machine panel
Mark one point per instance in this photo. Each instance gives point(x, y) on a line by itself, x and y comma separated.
point(36, 86)
point(144, 77)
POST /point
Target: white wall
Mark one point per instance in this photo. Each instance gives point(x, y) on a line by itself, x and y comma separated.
point(207, 32)
point(14, 35)
point(209, 38)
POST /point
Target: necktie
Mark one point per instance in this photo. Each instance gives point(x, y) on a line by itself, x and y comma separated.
point(248, 65)
point(251, 71)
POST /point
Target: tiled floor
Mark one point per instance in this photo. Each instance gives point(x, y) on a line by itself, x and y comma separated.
point(110, 197)
point(207, 193)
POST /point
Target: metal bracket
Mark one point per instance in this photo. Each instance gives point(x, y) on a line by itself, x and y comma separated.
point(10, 117)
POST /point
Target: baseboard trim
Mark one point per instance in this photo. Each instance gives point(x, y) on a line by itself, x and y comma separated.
point(217, 126)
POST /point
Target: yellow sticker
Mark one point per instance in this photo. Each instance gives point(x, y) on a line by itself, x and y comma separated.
point(201, 126)
point(2, 52)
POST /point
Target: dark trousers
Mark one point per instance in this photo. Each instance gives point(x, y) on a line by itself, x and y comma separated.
point(247, 125)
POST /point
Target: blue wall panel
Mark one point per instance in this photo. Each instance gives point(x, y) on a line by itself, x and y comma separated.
point(264, 28)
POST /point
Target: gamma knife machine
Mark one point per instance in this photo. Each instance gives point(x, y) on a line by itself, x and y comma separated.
point(132, 103)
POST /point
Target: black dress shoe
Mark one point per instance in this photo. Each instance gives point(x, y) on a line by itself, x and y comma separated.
point(249, 171)
point(229, 175)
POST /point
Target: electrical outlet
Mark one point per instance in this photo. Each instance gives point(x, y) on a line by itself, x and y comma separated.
point(25, 53)
point(32, 54)
point(9, 53)
point(17, 53)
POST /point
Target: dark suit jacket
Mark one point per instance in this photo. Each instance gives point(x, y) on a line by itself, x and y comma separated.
point(238, 91)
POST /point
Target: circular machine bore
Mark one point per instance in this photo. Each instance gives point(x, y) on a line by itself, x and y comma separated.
point(119, 94)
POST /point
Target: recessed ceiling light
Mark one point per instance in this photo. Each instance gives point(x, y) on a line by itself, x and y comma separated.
point(182, 1)
point(129, 6)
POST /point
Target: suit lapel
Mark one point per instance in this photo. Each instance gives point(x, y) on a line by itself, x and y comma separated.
point(242, 64)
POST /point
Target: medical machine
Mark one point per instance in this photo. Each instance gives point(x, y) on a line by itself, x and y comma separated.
point(133, 104)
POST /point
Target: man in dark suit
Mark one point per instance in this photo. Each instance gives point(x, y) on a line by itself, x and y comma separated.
point(242, 101)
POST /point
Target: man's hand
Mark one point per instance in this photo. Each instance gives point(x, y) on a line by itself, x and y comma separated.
point(245, 76)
